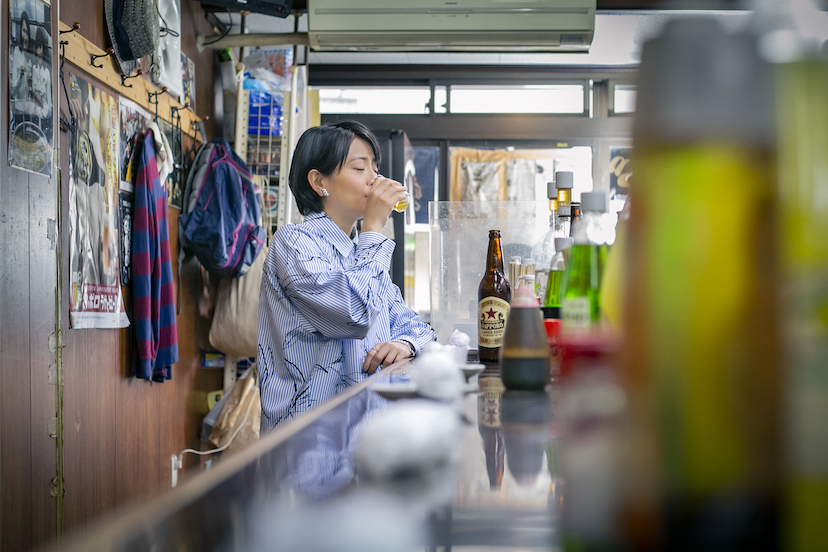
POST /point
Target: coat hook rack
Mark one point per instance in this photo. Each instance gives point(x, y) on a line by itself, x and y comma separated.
point(93, 57)
point(75, 27)
point(124, 78)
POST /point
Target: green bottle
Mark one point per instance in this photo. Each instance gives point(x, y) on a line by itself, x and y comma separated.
point(593, 234)
point(552, 298)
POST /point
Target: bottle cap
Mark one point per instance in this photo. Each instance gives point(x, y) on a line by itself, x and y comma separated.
point(563, 243)
point(515, 259)
point(563, 179)
point(528, 261)
point(551, 190)
point(525, 294)
point(699, 83)
point(551, 312)
point(564, 211)
point(552, 325)
point(594, 201)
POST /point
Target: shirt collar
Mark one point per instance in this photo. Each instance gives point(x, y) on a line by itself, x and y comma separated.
point(333, 233)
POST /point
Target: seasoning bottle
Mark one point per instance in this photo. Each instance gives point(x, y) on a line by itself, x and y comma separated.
point(564, 181)
point(524, 358)
point(493, 297)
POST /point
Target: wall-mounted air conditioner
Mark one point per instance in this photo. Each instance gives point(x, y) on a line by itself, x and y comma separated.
point(461, 25)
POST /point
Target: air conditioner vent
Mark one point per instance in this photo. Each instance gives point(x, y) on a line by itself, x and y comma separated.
point(465, 25)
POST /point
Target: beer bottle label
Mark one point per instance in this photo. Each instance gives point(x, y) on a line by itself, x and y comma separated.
point(575, 312)
point(491, 321)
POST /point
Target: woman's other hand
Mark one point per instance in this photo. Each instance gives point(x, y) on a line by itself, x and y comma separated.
point(386, 353)
point(384, 193)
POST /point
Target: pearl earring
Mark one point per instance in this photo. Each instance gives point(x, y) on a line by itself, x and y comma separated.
point(325, 193)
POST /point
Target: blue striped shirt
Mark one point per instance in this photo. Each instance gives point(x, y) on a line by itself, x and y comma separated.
point(325, 300)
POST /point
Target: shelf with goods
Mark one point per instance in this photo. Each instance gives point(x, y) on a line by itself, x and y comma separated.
point(262, 142)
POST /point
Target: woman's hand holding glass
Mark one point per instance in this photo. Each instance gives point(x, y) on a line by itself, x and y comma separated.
point(385, 195)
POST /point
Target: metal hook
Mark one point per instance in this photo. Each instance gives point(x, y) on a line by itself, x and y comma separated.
point(194, 123)
point(124, 78)
point(75, 27)
point(93, 57)
point(152, 97)
point(174, 111)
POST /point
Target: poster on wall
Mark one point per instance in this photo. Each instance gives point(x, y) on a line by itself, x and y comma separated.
point(30, 86)
point(173, 185)
point(95, 299)
point(620, 172)
point(188, 82)
point(426, 163)
point(134, 121)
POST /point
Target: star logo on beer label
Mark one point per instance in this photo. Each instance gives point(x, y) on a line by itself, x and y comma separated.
point(491, 312)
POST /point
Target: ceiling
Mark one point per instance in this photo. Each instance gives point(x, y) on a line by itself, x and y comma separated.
point(621, 27)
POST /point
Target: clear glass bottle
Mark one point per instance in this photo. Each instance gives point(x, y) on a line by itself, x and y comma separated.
point(593, 234)
point(564, 180)
point(544, 248)
point(562, 222)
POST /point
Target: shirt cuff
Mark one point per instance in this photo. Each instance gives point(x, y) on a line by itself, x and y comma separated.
point(408, 341)
point(377, 248)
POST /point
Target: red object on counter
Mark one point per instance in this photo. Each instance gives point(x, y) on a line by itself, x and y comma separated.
point(587, 349)
point(553, 334)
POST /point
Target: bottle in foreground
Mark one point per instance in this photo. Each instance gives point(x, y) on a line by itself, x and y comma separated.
point(493, 297)
point(701, 359)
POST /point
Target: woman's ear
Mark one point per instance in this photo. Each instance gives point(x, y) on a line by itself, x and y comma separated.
point(317, 182)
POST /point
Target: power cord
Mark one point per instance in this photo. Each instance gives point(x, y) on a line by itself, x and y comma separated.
point(226, 31)
point(180, 457)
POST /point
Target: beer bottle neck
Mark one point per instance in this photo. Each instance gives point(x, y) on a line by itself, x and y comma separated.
point(494, 259)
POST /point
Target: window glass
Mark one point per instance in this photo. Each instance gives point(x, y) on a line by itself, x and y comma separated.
point(392, 100)
point(558, 98)
point(624, 98)
point(440, 99)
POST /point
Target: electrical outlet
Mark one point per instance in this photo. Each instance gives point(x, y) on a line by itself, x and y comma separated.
point(174, 471)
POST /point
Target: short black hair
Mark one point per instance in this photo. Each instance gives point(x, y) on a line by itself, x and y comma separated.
point(42, 41)
point(324, 148)
point(24, 18)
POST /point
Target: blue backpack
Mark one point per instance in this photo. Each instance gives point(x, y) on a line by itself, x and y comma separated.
point(220, 222)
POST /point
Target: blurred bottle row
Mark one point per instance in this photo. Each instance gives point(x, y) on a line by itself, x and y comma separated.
point(694, 347)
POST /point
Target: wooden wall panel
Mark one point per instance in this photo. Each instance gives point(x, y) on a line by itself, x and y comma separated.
point(18, 428)
point(15, 383)
point(43, 286)
point(119, 432)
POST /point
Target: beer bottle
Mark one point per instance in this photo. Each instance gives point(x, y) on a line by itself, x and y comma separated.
point(493, 298)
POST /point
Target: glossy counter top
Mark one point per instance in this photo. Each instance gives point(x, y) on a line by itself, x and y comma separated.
point(313, 484)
